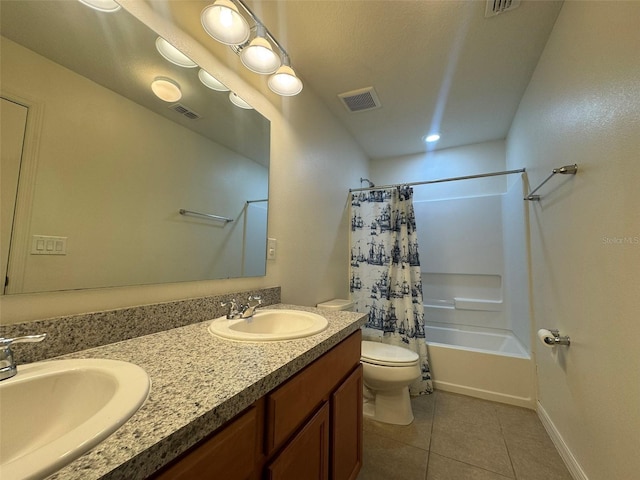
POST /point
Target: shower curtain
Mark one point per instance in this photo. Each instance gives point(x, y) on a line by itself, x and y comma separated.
point(385, 272)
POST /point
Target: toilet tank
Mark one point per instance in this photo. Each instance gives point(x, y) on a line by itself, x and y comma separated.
point(337, 304)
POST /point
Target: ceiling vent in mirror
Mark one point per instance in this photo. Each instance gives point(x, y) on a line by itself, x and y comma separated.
point(360, 100)
point(496, 7)
point(187, 112)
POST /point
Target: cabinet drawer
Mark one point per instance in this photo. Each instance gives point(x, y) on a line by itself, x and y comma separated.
point(292, 403)
point(231, 453)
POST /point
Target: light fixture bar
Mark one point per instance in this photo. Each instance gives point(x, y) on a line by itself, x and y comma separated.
point(257, 21)
point(283, 80)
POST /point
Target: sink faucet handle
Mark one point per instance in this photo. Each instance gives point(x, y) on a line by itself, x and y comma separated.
point(7, 364)
point(233, 311)
point(256, 298)
point(5, 342)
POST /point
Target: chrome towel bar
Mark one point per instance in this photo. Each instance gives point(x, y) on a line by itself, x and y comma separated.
point(205, 215)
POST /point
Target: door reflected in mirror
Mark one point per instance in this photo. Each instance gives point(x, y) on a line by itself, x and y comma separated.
point(105, 166)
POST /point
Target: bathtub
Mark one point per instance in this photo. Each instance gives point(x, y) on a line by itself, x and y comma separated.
point(486, 364)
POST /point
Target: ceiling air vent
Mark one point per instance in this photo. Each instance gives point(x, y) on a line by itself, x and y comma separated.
point(360, 100)
point(182, 110)
point(496, 7)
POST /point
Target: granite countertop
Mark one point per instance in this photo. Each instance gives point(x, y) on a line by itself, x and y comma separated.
point(198, 382)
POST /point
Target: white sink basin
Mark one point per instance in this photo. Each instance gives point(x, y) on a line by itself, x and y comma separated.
point(52, 412)
point(269, 325)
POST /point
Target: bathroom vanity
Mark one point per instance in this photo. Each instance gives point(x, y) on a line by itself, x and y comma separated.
point(277, 410)
point(309, 427)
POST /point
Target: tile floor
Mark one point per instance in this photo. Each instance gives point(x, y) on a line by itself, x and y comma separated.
point(455, 437)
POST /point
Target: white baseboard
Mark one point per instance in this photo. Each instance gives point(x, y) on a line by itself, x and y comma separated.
point(569, 460)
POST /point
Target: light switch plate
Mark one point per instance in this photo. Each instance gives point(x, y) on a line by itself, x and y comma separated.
point(271, 249)
point(48, 245)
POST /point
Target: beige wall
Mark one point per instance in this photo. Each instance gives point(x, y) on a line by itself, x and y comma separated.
point(313, 164)
point(583, 106)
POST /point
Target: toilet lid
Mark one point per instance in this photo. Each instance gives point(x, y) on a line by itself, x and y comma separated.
point(383, 354)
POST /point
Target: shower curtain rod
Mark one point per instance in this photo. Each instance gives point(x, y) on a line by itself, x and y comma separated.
point(468, 177)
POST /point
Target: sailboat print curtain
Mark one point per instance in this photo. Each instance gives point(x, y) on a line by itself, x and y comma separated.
point(385, 271)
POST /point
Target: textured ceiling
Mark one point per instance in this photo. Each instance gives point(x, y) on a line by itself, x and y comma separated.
point(435, 65)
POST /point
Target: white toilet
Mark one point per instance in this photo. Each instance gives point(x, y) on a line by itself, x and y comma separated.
point(387, 371)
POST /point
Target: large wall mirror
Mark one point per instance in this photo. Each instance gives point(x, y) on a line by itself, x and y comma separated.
point(96, 168)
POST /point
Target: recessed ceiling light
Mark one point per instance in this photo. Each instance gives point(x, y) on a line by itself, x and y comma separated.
point(432, 137)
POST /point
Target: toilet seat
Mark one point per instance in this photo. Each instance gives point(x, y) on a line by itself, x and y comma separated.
point(377, 353)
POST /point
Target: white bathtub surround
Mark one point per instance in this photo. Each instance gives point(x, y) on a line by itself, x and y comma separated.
point(385, 272)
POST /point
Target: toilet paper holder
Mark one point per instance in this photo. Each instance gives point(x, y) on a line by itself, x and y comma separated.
point(557, 339)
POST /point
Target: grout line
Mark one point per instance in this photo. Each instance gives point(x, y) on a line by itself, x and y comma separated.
point(433, 419)
point(506, 446)
point(493, 472)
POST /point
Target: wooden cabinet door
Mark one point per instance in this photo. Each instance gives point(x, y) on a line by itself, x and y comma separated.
point(290, 405)
point(306, 457)
point(346, 428)
point(233, 453)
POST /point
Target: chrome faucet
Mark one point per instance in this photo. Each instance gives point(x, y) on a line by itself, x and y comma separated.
point(7, 363)
point(237, 310)
point(251, 306)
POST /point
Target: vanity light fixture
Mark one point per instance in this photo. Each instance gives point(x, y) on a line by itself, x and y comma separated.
point(431, 138)
point(212, 82)
point(172, 54)
point(166, 89)
point(285, 82)
point(220, 20)
point(102, 5)
point(238, 102)
point(223, 21)
point(259, 56)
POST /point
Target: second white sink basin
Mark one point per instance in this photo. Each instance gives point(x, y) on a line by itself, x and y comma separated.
point(52, 412)
point(269, 325)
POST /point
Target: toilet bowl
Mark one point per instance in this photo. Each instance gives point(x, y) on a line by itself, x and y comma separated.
point(387, 371)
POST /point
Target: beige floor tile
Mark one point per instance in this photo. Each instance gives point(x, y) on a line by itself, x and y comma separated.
point(470, 410)
point(443, 468)
point(386, 459)
point(534, 457)
point(520, 421)
point(424, 404)
point(470, 443)
point(462, 438)
point(417, 434)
